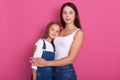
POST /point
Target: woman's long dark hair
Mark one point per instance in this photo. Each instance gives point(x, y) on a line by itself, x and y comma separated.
point(76, 21)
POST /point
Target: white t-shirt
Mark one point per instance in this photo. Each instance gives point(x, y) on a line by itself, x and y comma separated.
point(39, 49)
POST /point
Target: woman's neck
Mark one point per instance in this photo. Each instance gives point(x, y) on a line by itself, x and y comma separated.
point(70, 26)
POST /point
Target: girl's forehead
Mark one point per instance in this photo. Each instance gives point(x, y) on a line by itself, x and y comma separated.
point(54, 26)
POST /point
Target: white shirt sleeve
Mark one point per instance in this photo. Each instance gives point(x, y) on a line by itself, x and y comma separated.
point(38, 52)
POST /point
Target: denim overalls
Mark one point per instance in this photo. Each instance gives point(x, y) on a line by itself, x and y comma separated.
point(46, 73)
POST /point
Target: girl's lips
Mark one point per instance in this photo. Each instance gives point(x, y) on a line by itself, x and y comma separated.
point(53, 35)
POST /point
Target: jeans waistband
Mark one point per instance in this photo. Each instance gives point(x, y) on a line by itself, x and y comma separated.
point(66, 66)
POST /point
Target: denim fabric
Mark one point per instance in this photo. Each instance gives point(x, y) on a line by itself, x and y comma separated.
point(48, 55)
point(46, 73)
point(65, 73)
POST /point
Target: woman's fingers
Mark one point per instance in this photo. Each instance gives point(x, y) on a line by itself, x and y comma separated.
point(38, 61)
point(32, 60)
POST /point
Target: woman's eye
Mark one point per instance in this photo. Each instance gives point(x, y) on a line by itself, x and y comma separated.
point(64, 12)
point(71, 12)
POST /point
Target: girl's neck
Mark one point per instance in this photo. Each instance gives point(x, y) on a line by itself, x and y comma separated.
point(48, 39)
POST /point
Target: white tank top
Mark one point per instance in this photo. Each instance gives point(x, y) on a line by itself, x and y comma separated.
point(63, 44)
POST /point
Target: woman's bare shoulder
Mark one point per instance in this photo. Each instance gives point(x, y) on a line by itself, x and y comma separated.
point(79, 33)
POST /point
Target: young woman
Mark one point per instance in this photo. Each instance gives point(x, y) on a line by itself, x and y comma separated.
point(67, 44)
point(45, 49)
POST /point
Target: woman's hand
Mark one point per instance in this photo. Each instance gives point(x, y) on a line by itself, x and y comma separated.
point(38, 62)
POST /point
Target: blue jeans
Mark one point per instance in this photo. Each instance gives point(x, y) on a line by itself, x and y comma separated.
point(65, 73)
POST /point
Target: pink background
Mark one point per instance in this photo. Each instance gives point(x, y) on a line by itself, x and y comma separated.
point(22, 22)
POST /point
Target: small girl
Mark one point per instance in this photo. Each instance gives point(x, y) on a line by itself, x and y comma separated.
point(45, 49)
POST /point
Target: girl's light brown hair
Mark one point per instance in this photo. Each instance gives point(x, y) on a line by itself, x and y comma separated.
point(46, 34)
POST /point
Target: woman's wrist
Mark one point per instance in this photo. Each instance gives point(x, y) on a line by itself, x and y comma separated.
point(48, 63)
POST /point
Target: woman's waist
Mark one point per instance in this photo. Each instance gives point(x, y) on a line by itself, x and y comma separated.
point(59, 55)
point(64, 67)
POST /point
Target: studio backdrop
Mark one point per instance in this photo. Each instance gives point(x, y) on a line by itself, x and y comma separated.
point(22, 23)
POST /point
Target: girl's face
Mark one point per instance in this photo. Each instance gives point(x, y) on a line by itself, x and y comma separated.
point(68, 15)
point(53, 31)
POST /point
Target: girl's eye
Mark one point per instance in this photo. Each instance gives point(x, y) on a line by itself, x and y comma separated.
point(52, 29)
point(57, 31)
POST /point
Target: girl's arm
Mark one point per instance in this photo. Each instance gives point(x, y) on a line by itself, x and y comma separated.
point(37, 52)
point(34, 74)
point(34, 70)
point(74, 50)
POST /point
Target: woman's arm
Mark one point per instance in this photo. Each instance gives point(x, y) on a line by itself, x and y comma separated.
point(74, 50)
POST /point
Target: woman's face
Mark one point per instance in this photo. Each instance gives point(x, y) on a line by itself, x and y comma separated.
point(68, 15)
